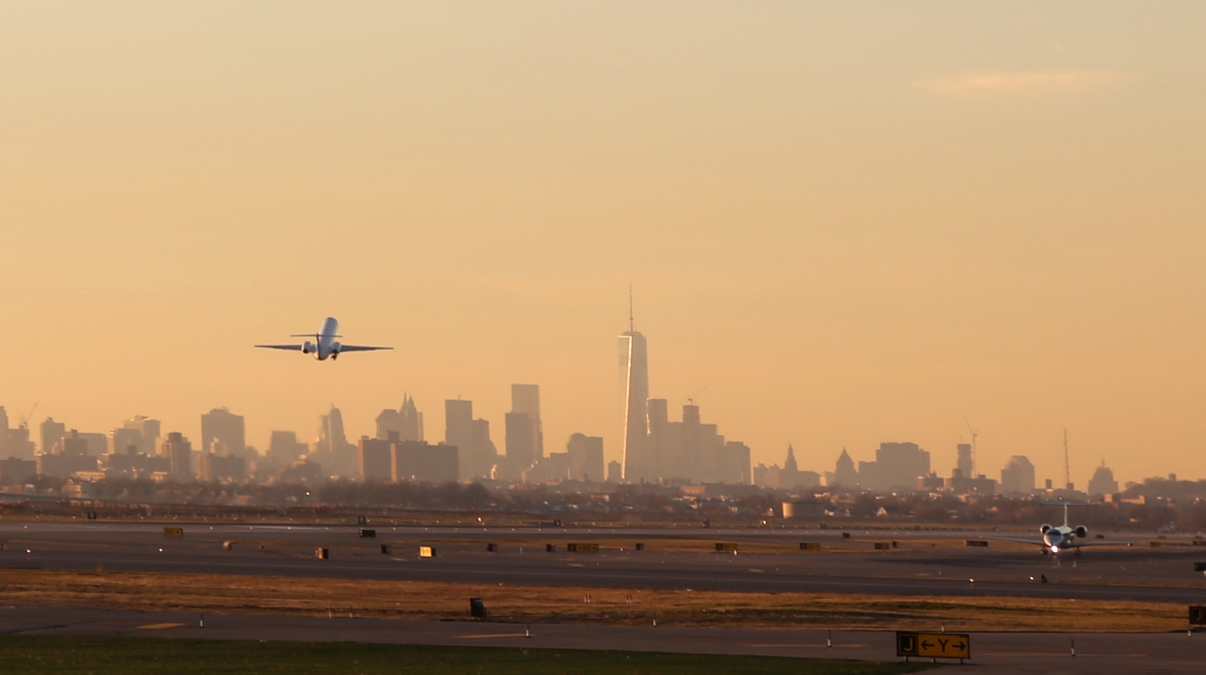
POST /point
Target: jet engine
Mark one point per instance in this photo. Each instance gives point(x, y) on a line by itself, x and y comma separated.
point(307, 347)
point(1045, 528)
point(335, 347)
point(1081, 531)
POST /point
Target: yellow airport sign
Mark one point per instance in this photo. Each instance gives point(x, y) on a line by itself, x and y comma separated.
point(722, 547)
point(426, 552)
point(173, 531)
point(933, 645)
point(582, 548)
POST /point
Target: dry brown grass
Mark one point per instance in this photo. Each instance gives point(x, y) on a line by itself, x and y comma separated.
point(542, 604)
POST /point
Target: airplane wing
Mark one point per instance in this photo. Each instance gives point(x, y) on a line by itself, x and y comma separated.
point(1016, 541)
point(1102, 543)
point(294, 348)
point(359, 348)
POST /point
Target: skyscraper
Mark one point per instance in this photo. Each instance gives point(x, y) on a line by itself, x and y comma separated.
point(964, 462)
point(149, 429)
point(52, 431)
point(476, 454)
point(180, 452)
point(638, 463)
point(410, 421)
point(331, 449)
point(406, 422)
point(525, 434)
point(222, 432)
point(1018, 475)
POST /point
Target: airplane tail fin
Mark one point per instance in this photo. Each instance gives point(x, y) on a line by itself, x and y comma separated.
point(315, 335)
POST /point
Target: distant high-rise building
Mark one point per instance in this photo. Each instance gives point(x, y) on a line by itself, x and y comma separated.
point(585, 457)
point(476, 454)
point(226, 468)
point(331, 436)
point(421, 462)
point(1018, 476)
point(691, 450)
point(1102, 482)
point(14, 442)
point(331, 449)
point(375, 458)
point(458, 422)
point(98, 444)
point(284, 448)
point(844, 473)
point(388, 423)
point(638, 463)
point(180, 452)
point(69, 455)
point(407, 422)
point(790, 476)
point(410, 421)
point(896, 466)
point(615, 472)
point(222, 432)
point(51, 432)
point(149, 429)
point(125, 441)
point(963, 463)
point(525, 434)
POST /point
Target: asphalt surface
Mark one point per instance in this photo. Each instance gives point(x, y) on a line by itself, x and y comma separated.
point(991, 652)
point(919, 566)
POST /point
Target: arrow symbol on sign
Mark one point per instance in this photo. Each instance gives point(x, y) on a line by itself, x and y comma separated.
point(960, 646)
point(927, 644)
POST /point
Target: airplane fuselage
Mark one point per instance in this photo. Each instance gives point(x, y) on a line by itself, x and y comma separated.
point(1062, 537)
point(324, 345)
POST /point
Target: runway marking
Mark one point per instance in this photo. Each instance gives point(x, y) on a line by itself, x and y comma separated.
point(492, 635)
point(843, 646)
point(160, 626)
point(1060, 654)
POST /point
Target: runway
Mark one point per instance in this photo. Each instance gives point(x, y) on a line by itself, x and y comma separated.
point(1139, 573)
point(991, 652)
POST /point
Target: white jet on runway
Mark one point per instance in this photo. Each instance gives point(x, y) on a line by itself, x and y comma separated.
point(1058, 538)
point(324, 344)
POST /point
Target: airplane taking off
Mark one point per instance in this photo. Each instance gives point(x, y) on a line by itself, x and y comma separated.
point(1058, 538)
point(324, 344)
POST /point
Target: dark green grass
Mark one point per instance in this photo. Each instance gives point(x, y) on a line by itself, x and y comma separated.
point(69, 655)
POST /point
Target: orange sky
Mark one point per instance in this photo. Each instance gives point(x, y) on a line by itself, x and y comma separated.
point(851, 223)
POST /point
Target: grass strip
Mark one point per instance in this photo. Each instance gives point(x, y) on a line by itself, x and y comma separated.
point(303, 596)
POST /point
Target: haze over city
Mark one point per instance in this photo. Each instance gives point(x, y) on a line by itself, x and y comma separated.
point(843, 225)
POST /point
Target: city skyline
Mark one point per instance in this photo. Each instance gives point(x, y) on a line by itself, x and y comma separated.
point(851, 224)
point(476, 431)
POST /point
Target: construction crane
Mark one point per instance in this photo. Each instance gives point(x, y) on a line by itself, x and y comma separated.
point(973, 456)
point(29, 415)
point(692, 397)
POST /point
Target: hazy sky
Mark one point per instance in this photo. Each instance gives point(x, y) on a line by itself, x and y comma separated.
point(850, 222)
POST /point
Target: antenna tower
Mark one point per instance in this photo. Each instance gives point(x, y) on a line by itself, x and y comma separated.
point(631, 325)
point(973, 456)
point(1067, 472)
